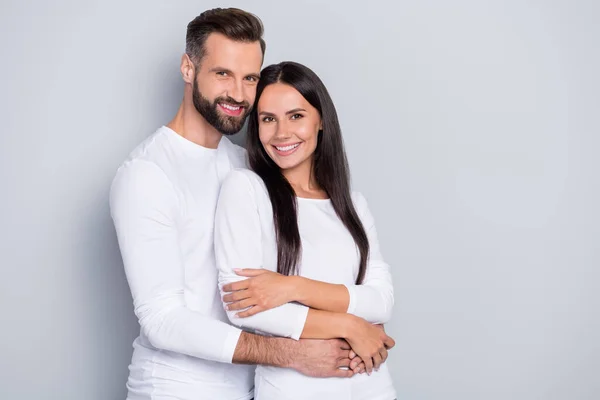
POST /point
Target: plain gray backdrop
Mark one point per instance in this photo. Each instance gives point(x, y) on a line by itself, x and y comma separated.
point(472, 127)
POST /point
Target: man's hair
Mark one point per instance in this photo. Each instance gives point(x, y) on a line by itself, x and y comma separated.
point(234, 23)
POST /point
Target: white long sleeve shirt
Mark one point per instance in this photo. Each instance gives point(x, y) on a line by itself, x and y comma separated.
point(163, 202)
point(245, 238)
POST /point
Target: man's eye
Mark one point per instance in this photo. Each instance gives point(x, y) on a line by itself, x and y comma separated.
point(221, 73)
point(251, 79)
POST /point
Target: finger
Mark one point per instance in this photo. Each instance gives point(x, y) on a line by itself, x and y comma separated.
point(249, 271)
point(250, 312)
point(377, 361)
point(344, 362)
point(240, 305)
point(384, 354)
point(352, 354)
point(368, 365)
point(355, 362)
point(342, 373)
point(389, 342)
point(236, 296)
point(344, 345)
point(360, 368)
point(235, 286)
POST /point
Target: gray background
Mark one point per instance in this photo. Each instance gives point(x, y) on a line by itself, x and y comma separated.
point(471, 127)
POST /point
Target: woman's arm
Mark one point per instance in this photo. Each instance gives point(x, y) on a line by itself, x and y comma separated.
point(368, 341)
point(238, 244)
point(372, 300)
point(267, 289)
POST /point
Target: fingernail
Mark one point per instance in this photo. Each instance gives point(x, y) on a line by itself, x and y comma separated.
point(237, 269)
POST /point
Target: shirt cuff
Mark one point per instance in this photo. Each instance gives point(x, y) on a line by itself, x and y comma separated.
point(352, 299)
point(301, 321)
point(230, 344)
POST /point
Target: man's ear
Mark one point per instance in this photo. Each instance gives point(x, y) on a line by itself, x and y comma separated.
point(188, 70)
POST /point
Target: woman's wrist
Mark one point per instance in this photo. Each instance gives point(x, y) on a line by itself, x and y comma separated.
point(296, 289)
point(347, 325)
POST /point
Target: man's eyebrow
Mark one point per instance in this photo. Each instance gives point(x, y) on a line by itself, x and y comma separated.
point(220, 69)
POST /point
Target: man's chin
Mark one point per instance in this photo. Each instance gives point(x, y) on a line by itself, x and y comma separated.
point(228, 128)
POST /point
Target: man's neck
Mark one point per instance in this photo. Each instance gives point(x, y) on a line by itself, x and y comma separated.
point(192, 126)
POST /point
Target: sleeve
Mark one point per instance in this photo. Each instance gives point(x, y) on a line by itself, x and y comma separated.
point(238, 245)
point(144, 208)
point(373, 300)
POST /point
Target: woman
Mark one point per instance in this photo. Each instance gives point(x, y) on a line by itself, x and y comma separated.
point(307, 245)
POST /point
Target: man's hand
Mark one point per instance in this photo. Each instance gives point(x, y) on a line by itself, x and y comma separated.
point(263, 291)
point(322, 358)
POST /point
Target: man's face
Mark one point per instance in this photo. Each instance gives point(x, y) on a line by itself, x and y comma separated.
point(225, 85)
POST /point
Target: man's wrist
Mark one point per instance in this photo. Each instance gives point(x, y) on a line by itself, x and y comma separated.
point(257, 349)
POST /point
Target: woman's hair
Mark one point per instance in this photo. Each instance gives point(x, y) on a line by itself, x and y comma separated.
point(330, 168)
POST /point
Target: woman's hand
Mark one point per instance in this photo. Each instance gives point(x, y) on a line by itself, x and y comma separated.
point(369, 342)
point(263, 290)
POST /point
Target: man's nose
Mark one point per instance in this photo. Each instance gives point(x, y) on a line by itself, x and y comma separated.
point(236, 91)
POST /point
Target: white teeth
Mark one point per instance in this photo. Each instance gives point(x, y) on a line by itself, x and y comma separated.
point(232, 108)
point(287, 148)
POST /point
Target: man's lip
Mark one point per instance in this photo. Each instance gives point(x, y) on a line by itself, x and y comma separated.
point(234, 113)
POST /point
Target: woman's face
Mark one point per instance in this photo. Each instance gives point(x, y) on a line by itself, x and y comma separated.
point(288, 126)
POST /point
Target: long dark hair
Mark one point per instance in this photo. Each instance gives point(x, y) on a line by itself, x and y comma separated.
point(330, 168)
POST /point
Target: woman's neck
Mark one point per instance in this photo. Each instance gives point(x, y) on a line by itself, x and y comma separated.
point(303, 181)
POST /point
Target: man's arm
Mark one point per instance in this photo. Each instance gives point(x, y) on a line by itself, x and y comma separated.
point(317, 358)
point(145, 208)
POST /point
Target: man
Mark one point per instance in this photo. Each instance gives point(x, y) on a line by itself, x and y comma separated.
point(163, 201)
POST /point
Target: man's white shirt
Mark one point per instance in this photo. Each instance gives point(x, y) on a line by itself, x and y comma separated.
point(163, 202)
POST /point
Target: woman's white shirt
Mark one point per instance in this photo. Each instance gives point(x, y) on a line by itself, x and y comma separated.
point(245, 238)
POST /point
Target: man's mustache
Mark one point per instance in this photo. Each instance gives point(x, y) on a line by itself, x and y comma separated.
point(232, 102)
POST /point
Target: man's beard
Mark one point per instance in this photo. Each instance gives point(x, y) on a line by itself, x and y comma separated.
point(226, 124)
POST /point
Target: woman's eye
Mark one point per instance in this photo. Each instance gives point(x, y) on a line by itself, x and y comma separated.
point(268, 119)
point(297, 116)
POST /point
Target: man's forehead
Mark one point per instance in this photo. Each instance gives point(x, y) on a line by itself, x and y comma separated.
point(233, 55)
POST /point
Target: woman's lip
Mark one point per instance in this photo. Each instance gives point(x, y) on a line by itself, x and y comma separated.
point(286, 152)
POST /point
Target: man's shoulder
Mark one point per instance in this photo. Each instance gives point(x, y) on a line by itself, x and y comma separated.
point(150, 149)
point(144, 161)
point(237, 154)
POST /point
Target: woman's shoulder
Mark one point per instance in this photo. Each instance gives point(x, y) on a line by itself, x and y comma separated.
point(243, 180)
point(361, 206)
point(359, 200)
